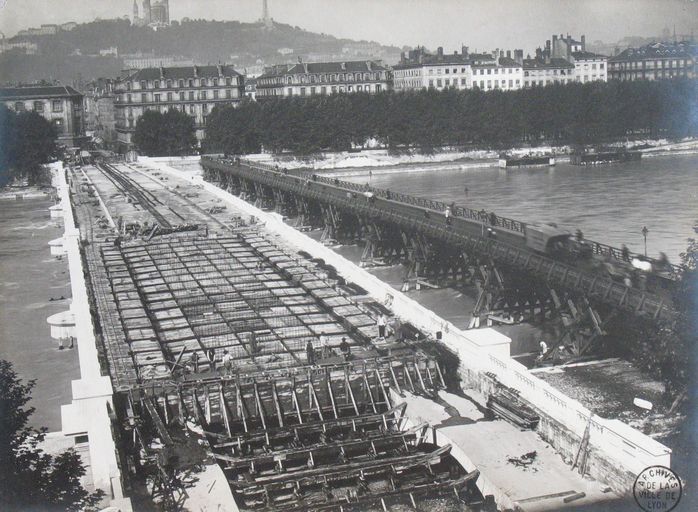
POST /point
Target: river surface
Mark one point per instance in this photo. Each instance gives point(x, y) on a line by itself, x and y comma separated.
point(609, 203)
point(29, 278)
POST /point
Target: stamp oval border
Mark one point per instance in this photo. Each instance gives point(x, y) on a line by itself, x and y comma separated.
point(670, 471)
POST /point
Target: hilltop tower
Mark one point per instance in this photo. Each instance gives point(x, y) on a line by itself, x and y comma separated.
point(135, 11)
point(266, 19)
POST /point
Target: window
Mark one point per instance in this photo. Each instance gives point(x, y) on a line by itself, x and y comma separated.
point(215, 82)
point(378, 87)
point(447, 82)
point(204, 108)
point(191, 95)
point(227, 80)
point(181, 83)
point(302, 91)
point(202, 96)
point(38, 106)
point(215, 94)
point(57, 106)
point(156, 84)
point(169, 96)
point(19, 106)
point(323, 89)
point(58, 123)
point(181, 96)
point(359, 88)
point(128, 86)
point(144, 97)
point(157, 98)
point(431, 83)
point(601, 66)
point(448, 71)
point(462, 81)
point(489, 71)
point(203, 82)
point(290, 90)
point(228, 93)
point(128, 98)
point(169, 84)
point(191, 83)
point(438, 82)
point(143, 84)
point(511, 83)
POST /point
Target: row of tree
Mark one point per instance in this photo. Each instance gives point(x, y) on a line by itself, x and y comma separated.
point(426, 119)
point(165, 134)
point(27, 141)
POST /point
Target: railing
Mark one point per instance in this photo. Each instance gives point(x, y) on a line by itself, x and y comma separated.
point(489, 218)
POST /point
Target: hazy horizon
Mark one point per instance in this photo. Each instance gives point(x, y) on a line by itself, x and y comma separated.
point(478, 24)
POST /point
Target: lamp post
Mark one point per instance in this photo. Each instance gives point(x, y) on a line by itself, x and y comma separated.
point(644, 234)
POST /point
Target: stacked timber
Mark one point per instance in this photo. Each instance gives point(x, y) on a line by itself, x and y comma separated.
point(506, 404)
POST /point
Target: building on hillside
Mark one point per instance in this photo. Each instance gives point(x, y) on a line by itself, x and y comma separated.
point(136, 61)
point(26, 47)
point(195, 90)
point(61, 105)
point(68, 26)
point(308, 79)
point(655, 61)
point(156, 14)
point(421, 70)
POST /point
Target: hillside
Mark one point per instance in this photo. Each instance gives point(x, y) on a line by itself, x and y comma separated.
point(75, 55)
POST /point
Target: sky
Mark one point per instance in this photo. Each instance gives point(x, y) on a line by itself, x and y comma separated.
point(479, 24)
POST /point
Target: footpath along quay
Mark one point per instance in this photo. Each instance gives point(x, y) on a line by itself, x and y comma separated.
point(143, 272)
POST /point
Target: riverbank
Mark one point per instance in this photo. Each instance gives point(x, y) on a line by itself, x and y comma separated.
point(29, 278)
point(369, 162)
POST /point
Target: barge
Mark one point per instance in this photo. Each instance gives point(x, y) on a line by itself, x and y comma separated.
point(605, 156)
point(506, 161)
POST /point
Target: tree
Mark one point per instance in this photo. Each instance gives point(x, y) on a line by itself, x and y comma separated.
point(29, 478)
point(27, 141)
point(168, 134)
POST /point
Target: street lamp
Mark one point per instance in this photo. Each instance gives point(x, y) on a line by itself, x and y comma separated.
point(644, 234)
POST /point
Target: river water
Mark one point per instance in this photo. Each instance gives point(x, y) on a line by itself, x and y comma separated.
point(29, 278)
point(609, 203)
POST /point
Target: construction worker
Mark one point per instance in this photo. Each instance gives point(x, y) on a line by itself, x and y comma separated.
point(310, 352)
point(381, 322)
point(324, 345)
point(227, 362)
point(345, 348)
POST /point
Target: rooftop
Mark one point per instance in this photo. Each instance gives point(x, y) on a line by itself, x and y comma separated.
point(325, 67)
point(542, 64)
point(184, 72)
point(41, 91)
point(587, 56)
point(658, 50)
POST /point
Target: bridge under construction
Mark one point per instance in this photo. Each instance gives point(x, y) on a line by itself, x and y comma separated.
point(237, 362)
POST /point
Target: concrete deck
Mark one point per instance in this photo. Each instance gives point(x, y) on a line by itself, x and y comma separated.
point(489, 444)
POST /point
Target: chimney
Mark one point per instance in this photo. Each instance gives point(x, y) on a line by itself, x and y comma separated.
point(343, 65)
point(196, 72)
point(162, 73)
point(508, 54)
point(402, 57)
point(551, 49)
point(539, 53)
point(569, 47)
point(464, 51)
point(518, 57)
point(220, 70)
point(300, 60)
point(368, 64)
point(305, 67)
point(440, 51)
point(584, 43)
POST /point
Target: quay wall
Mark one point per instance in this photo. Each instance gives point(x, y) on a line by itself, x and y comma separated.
point(617, 452)
point(89, 412)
